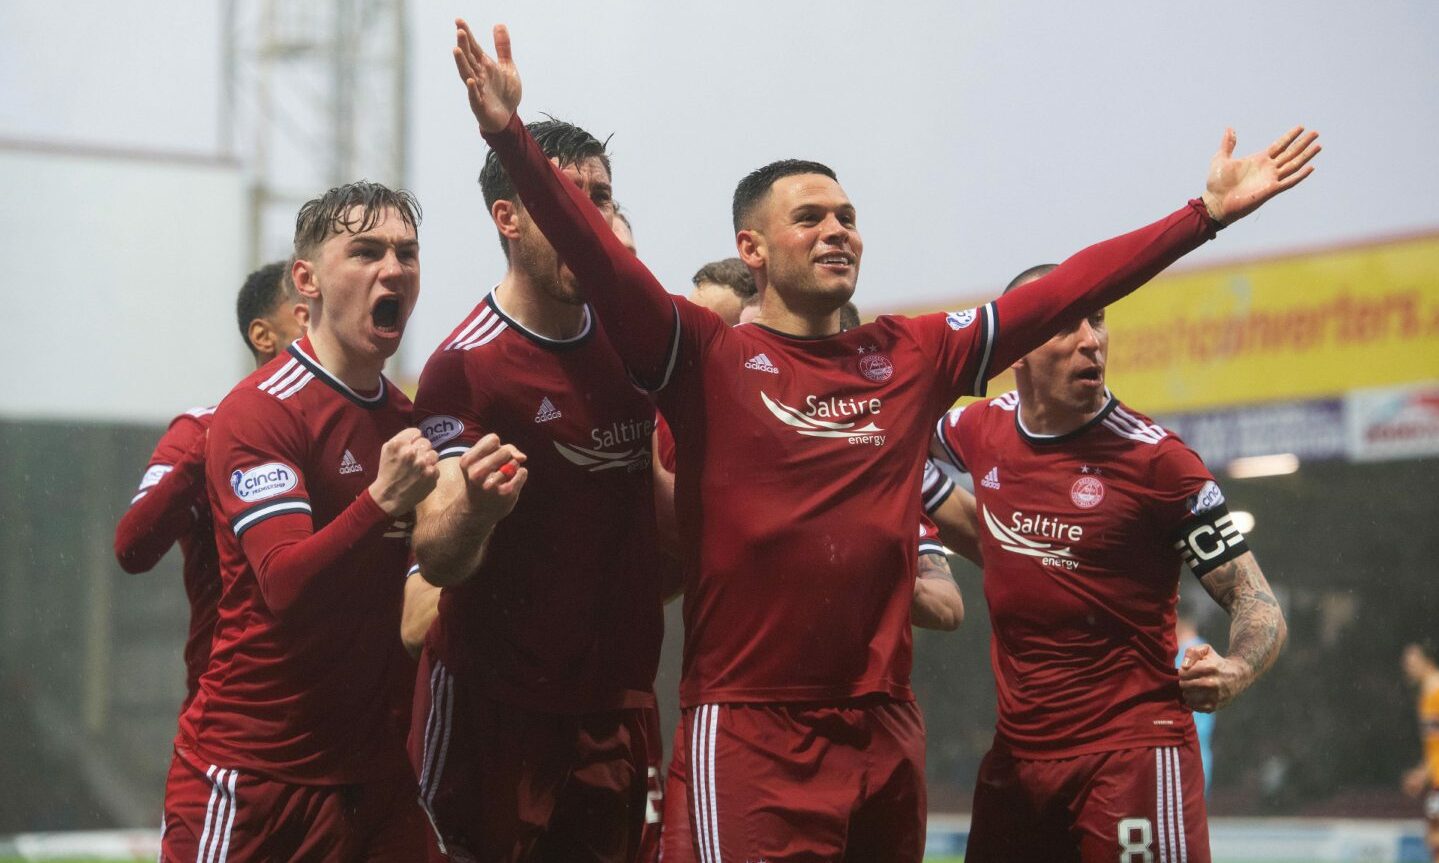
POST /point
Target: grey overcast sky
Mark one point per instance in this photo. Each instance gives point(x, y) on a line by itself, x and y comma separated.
point(975, 138)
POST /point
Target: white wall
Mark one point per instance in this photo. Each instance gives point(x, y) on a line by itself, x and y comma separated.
point(120, 277)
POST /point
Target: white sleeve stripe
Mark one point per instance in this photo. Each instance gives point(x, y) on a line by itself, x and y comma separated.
point(294, 373)
point(674, 356)
point(299, 385)
point(452, 451)
point(259, 514)
point(929, 546)
point(939, 496)
point(491, 328)
point(470, 327)
point(981, 376)
point(284, 370)
point(954, 458)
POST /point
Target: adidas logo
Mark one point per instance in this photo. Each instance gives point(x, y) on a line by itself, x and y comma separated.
point(547, 411)
point(760, 363)
point(349, 464)
point(991, 479)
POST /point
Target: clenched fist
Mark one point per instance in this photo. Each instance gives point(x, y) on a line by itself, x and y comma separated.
point(407, 474)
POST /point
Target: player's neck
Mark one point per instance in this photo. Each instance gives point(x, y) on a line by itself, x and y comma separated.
point(537, 311)
point(1050, 417)
point(359, 372)
point(776, 315)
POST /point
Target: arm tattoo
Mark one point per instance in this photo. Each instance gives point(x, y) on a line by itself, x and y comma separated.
point(935, 566)
point(1257, 629)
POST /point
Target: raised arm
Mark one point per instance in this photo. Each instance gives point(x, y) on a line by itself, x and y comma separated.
point(1257, 631)
point(1107, 271)
point(638, 315)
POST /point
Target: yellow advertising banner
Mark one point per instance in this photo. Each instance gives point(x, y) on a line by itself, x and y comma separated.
point(1296, 327)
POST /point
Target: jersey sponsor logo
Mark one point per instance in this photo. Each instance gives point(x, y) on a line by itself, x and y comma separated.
point(1014, 537)
point(618, 445)
point(876, 367)
point(1208, 498)
point(960, 320)
point(547, 411)
point(440, 428)
point(153, 474)
point(991, 479)
point(263, 482)
point(815, 419)
point(1087, 492)
point(761, 363)
point(349, 464)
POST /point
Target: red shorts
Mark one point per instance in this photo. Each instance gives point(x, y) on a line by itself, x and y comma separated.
point(1130, 805)
point(501, 782)
point(213, 815)
point(779, 782)
point(677, 839)
point(654, 790)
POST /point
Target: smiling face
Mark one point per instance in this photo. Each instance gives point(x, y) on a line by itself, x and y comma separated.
point(1067, 372)
point(806, 243)
point(363, 286)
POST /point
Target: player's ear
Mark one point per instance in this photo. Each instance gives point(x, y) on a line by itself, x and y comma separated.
point(301, 312)
point(261, 336)
point(302, 273)
point(506, 214)
point(750, 245)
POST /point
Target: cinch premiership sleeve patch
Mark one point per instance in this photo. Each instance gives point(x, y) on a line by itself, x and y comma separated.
point(1209, 539)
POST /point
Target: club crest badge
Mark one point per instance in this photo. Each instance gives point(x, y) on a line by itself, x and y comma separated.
point(1087, 492)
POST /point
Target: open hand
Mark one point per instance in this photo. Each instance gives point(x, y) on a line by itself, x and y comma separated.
point(493, 82)
point(1237, 187)
point(1208, 681)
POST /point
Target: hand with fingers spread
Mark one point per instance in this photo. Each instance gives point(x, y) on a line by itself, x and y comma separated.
point(493, 82)
point(407, 472)
point(1237, 187)
point(494, 474)
point(1208, 681)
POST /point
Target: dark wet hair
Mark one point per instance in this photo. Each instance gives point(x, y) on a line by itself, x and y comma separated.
point(565, 142)
point(264, 290)
point(755, 187)
point(352, 208)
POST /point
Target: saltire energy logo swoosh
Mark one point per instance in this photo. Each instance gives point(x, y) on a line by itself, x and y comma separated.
point(1011, 541)
point(808, 425)
point(595, 459)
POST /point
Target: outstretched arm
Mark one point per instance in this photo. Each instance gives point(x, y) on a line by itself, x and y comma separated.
point(1257, 631)
point(1107, 271)
point(638, 315)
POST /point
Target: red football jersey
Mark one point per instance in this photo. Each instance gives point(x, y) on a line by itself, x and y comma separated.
point(798, 481)
point(170, 507)
point(308, 680)
point(564, 613)
point(1083, 535)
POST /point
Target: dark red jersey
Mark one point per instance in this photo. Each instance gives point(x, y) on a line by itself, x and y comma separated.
point(171, 507)
point(799, 459)
point(1083, 535)
point(564, 613)
point(308, 681)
